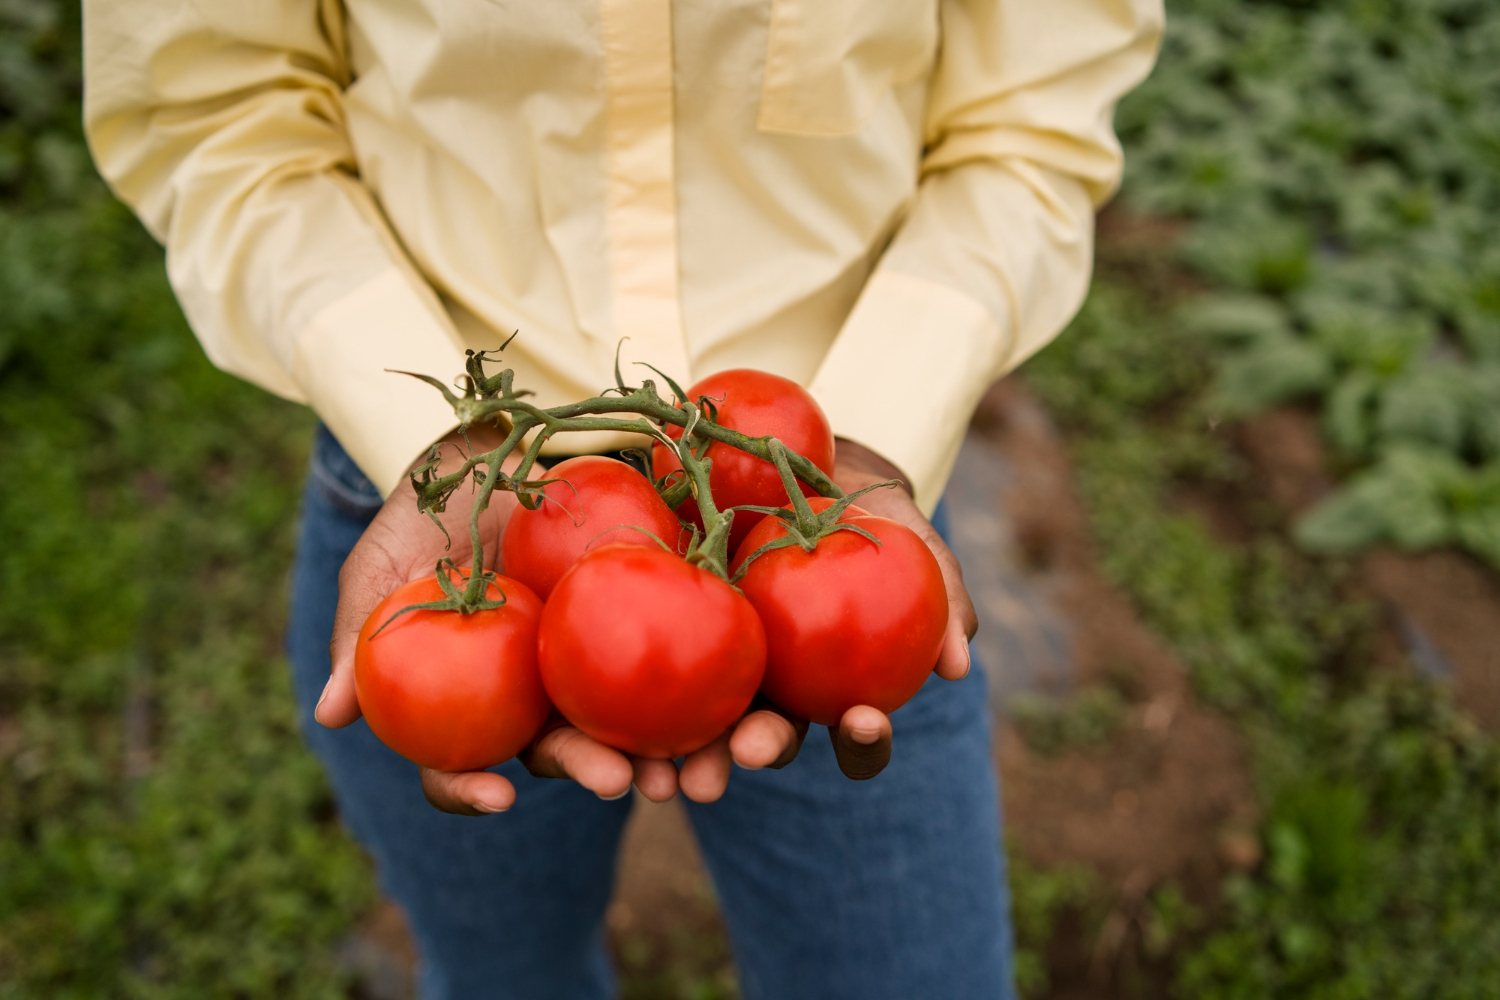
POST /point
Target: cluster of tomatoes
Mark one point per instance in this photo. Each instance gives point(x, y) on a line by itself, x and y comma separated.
point(606, 623)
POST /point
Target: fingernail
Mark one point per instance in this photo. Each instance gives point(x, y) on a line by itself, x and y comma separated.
point(968, 662)
point(865, 736)
point(327, 686)
point(617, 797)
point(489, 807)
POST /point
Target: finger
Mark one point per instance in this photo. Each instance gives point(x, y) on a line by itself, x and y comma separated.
point(766, 738)
point(366, 578)
point(954, 658)
point(567, 753)
point(656, 779)
point(468, 793)
point(862, 742)
point(705, 773)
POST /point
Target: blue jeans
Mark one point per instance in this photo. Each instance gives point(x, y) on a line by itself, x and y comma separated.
point(890, 888)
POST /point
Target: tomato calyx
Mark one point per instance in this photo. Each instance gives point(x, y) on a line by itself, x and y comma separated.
point(803, 526)
point(493, 400)
point(455, 599)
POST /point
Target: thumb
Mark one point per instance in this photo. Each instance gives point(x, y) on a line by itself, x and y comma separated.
point(862, 742)
point(367, 577)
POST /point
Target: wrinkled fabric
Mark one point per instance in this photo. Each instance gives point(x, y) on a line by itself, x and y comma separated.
point(889, 201)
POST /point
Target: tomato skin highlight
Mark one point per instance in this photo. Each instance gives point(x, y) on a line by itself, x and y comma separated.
point(850, 623)
point(451, 691)
point(647, 653)
point(588, 510)
point(755, 403)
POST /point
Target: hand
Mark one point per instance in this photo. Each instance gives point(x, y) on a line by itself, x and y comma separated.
point(862, 742)
point(401, 545)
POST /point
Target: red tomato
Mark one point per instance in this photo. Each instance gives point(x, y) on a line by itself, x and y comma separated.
point(451, 691)
point(600, 494)
point(647, 653)
point(850, 623)
point(755, 403)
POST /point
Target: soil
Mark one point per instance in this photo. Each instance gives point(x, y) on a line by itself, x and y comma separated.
point(1166, 799)
point(1443, 605)
point(1169, 797)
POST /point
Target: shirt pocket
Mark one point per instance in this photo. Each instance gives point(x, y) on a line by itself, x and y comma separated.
point(828, 62)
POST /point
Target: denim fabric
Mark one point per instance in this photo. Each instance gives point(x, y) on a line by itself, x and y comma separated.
point(890, 888)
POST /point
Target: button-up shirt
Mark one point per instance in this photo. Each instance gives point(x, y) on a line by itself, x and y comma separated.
point(889, 201)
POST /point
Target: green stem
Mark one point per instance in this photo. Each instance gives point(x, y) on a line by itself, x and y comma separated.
point(492, 399)
point(806, 519)
point(713, 551)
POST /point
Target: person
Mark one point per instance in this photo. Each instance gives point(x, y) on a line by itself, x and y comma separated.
point(890, 202)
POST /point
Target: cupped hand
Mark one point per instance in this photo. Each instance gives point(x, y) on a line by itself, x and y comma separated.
point(862, 742)
point(402, 545)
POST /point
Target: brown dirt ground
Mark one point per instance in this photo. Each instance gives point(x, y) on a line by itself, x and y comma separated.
point(1168, 798)
point(1450, 598)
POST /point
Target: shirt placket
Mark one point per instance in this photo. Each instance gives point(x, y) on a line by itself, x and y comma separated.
point(641, 202)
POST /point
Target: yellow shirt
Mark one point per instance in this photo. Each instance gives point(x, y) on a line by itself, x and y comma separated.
point(890, 201)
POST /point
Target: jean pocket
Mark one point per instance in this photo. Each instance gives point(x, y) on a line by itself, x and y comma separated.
point(829, 61)
point(338, 480)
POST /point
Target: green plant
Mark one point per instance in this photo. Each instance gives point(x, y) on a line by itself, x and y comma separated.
point(1339, 162)
point(1383, 802)
point(1051, 725)
point(162, 831)
point(1041, 900)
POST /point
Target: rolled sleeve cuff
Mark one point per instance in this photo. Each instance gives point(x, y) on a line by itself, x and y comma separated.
point(905, 373)
point(384, 420)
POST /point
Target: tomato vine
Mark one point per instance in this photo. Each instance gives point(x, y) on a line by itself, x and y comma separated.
point(494, 400)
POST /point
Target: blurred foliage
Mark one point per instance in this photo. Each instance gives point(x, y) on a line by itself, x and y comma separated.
point(1042, 900)
point(162, 831)
point(164, 834)
point(683, 961)
point(1050, 725)
point(1341, 162)
point(1383, 803)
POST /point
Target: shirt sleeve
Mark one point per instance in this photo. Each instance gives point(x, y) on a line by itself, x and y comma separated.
point(995, 254)
point(221, 125)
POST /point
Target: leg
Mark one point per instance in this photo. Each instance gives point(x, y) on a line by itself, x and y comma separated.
point(501, 906)
point(890, 888)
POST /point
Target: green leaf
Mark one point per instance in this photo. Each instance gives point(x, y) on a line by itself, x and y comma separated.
point(1426, 406)
point(1237, 319)
point(1478, 531)
point(1270, 371)
point(1403, 500)
point(1349, 411)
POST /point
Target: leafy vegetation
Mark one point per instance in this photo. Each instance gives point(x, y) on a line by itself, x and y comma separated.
point(1050, 725)
point(1383, 802)
point(162, 831)
point(1041, 899)
point(1341, 163)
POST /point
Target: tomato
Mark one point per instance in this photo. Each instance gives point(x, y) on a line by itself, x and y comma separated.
point(755, 403)
point(588, 500)
point(451, 691)
point(850, 623)
point(647, 653)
